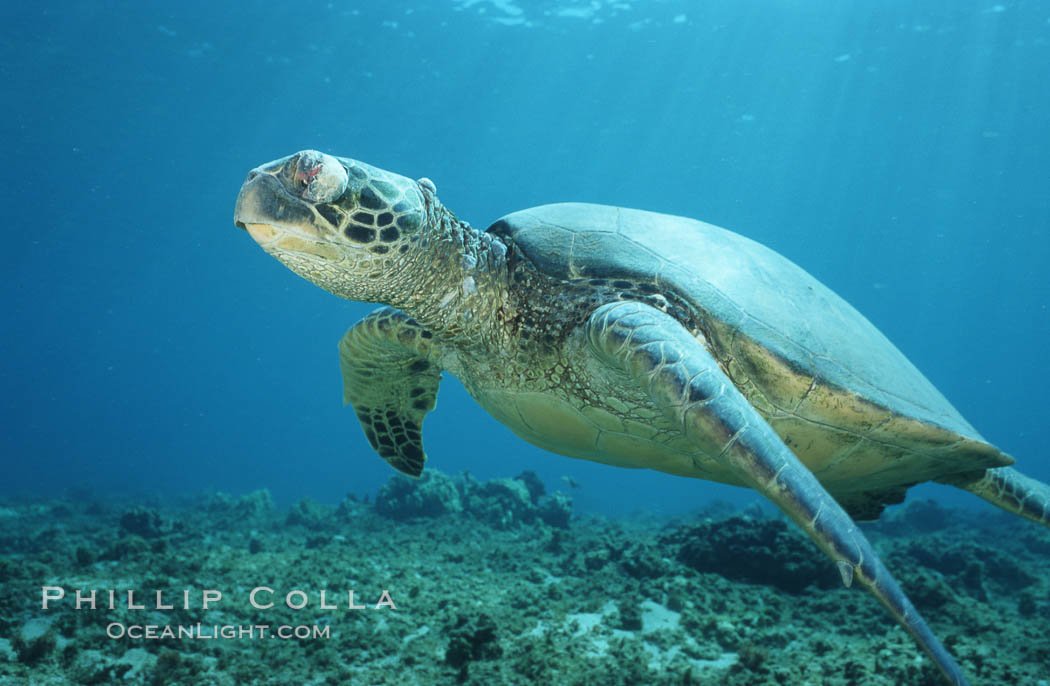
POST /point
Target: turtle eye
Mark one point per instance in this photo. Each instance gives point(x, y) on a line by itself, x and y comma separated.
point(303, 176)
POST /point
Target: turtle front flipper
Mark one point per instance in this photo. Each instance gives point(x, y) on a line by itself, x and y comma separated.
point(685, 381)
point(390, 378)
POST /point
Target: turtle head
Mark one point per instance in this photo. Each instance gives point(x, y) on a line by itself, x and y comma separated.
point(342, 224)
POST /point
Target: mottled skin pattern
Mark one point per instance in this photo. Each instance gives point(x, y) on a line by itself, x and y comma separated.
point(609, 369)
point(1010, 490)
point(391, 383)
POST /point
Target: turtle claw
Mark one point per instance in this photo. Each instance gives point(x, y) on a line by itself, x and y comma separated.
point(846, 570)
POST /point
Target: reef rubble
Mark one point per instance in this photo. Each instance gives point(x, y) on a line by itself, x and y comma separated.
point(498, 582)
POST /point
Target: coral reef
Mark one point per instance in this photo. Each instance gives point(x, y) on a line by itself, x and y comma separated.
point(500, 503)
point(495, 582)
point(763, 551)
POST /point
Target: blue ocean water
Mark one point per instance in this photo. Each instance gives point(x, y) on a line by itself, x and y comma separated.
point(899, 151)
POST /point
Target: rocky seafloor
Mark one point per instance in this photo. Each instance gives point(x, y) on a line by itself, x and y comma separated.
point(497, 583)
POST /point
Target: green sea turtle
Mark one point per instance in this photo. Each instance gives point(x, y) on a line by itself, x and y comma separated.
point(631, 338)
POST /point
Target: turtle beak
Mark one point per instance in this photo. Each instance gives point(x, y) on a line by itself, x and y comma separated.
point(277, 218)
point(262, 182)
point(249, 199)
point(264, 200)
point(237, 209)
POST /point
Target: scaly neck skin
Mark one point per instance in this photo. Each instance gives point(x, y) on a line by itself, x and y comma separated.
point(456, 281)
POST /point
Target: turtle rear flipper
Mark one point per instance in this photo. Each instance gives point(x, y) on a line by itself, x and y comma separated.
point(683, 379)
point(390, 380)
point(1009, 489)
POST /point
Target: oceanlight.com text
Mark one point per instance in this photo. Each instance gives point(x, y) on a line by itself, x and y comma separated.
point(199, 631)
